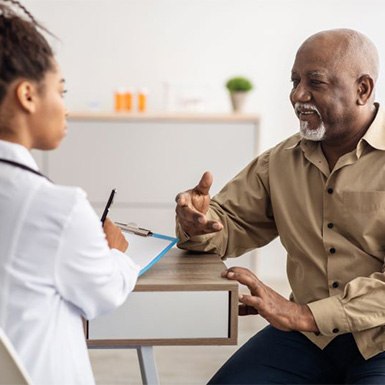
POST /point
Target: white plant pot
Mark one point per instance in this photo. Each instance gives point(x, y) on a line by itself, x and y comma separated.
point(238, 100)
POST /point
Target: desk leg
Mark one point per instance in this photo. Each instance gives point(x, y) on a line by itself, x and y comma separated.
point(147, 365)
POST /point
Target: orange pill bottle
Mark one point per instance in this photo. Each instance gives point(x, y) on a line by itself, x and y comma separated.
point(128, 100)
point(142, 100)
point(119, 100)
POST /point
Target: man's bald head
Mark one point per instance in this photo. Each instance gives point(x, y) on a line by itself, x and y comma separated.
point(333, 78)
point(351, 49)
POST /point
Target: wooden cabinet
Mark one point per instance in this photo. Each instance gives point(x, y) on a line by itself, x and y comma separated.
point(149, 159)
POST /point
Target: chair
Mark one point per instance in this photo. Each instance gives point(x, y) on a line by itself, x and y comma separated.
point(12, 371)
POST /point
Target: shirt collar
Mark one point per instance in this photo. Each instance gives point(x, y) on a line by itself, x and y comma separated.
point(375, 135)
point(17, 153)
point(305, 145)
point(295, 145)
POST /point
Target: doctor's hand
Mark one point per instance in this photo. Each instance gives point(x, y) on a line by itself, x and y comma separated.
point(192, 206)
point(115, 237)
point(277, 310)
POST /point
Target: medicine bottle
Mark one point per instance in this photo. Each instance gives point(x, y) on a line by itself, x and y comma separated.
point(142, 100)
point(119, 102)
point(128, 100)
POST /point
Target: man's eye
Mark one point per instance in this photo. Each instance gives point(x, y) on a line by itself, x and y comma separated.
point(295, 82)
point(63, 93)
point(315, 82)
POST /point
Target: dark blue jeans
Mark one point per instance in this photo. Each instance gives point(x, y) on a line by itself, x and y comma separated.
point(276, 357)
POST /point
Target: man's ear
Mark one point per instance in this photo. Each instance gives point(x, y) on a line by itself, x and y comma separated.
point(365, 89)
point(26, 95)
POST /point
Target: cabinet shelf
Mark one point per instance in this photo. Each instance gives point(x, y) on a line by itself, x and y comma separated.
point(163, 117)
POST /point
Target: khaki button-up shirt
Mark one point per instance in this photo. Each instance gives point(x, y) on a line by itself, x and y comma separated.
point(331, 223)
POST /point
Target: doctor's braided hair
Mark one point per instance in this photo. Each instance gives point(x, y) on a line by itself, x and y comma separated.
point(24, 51)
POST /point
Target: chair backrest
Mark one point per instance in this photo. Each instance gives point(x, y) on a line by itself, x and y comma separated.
point(12, 371)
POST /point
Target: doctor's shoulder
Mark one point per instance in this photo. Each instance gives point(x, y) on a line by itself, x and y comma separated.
point(57, 203)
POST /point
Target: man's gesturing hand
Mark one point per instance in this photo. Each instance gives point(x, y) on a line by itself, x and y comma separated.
point(277, 310)
point(192, 206)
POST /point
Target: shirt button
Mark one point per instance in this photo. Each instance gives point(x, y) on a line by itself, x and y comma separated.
point(332, 250)
point(336, 330)
point(335, 284)
point(330, 190)
point(330, 225)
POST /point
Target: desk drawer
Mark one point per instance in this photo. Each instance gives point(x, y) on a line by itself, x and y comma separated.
point(166, 315)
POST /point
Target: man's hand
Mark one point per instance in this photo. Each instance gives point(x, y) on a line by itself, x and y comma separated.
point(277, 310)
point(115, 238)
point(192, 206)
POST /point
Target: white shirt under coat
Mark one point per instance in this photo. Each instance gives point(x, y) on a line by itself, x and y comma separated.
point(55, 266)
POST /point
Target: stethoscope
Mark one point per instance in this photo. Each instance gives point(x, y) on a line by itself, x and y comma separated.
point(22, 166)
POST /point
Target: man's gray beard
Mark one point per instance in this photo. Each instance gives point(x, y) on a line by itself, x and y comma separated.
point(314, 135)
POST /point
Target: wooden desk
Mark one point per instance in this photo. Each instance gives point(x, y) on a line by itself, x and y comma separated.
point(182, 300)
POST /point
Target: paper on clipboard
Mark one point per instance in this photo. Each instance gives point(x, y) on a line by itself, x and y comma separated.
point(145, 251)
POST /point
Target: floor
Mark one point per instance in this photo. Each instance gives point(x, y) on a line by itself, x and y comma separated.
point(177, 365)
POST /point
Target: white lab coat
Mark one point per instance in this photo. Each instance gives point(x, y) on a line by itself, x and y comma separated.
point(55, 266)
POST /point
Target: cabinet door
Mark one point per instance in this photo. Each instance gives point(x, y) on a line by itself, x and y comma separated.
point(149, 162)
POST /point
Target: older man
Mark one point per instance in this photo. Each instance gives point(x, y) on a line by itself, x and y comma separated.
point(322, 191)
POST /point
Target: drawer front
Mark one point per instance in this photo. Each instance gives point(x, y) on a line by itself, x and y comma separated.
point(166, 315)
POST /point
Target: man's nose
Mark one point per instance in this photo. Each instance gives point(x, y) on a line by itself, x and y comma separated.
point(300, 94)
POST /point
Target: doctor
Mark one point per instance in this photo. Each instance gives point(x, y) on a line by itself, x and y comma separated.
point(57, 263)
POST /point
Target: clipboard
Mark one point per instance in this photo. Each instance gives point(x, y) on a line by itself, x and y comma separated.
point(145, 247)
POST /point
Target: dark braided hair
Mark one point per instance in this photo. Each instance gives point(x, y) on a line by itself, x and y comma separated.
point(24, 51)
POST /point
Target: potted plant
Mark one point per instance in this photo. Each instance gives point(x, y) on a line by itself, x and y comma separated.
point(238, 87)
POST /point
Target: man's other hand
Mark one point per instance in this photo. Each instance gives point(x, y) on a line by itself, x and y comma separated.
point(277, 310)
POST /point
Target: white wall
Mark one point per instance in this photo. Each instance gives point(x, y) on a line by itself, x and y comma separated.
point(198, 44)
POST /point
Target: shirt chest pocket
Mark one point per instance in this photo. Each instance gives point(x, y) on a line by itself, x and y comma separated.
point(363, 201)
point(364, 218)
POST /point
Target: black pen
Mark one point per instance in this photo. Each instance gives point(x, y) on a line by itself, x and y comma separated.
point(108, 205)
